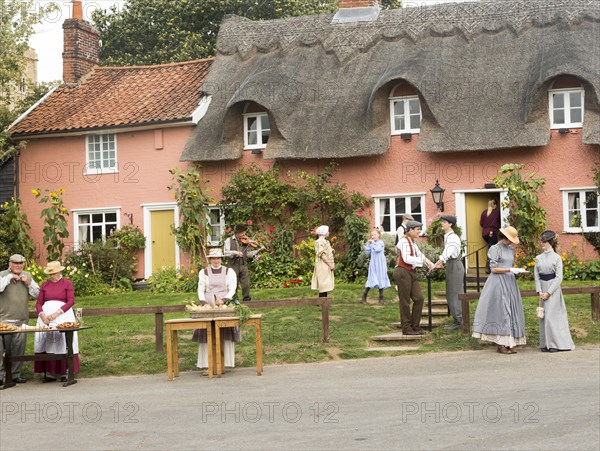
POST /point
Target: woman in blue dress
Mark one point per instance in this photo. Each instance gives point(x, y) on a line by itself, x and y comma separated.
point(378, 275)
point(499, 317)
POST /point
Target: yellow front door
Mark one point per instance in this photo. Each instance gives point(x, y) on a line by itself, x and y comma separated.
point(163, 240)
point(475, 204)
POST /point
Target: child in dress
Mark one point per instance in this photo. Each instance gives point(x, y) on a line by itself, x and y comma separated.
point(378, 276)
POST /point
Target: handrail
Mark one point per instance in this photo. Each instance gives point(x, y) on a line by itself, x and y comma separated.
point(476, 251)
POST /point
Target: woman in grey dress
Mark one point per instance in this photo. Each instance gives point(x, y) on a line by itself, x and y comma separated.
point(499, 317)
point(554, 326)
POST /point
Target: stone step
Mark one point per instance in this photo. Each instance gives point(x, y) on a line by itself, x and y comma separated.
point(435, 322)
point(396, 336)
point(393, 348)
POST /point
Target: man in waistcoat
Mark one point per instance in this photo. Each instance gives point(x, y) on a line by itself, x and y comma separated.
point(238, 253)
point(407, 280)
point(402, 229)
point(455, 271)
point(16, 287)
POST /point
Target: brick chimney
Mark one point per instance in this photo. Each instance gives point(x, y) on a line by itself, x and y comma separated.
point(81, 46)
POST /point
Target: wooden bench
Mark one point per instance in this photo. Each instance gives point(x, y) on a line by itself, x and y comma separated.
point(594, 292)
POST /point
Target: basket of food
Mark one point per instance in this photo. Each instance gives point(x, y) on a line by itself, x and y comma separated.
point(208, 311)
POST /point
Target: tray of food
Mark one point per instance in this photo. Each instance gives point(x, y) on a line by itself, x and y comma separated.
point(5, 327)
point(208, 311)
point(68, 325)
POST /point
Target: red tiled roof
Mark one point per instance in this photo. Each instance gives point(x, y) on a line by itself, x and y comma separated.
point(119, 96)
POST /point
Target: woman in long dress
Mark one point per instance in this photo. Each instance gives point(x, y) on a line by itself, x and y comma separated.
point(378, 275)
point(554, 326)
point(323, 280)
point(55, 306)
point(499, 317)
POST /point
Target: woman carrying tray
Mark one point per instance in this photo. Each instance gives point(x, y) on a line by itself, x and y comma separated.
point(217, 285)
point(55, 306)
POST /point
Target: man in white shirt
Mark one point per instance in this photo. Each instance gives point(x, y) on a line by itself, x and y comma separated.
point(402, 229)
point(455, 271)
point(407, 280)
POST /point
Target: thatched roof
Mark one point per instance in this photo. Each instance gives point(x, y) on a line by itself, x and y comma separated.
point(482, 71)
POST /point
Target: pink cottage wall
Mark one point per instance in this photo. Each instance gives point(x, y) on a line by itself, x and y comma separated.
point(565, 163)
point(144, 159)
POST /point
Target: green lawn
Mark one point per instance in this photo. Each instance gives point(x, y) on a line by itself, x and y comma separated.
point(119, 345)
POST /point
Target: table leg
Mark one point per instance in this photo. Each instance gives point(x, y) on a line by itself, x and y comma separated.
point(259, 362)
point(175, 354)
point(218, 357)
point(7, 344)
point(210, 349)
point(169, 353)
point(70, 376)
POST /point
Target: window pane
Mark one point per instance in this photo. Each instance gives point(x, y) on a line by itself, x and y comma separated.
point(400, 206)
point(415, 121)
point(591, 206)
point(398, 107)
point(575, 115)
point(252, 123)
point(252, 138)
point(558, 100)
point(109, 228)
point(559, 116)
point(111, 217)
point(384, 214)
point(415, 106)
point(265, 136)
point(415, 204)
point(96, 233)
point(574, 99)
point(264, 122)
point(399, 123)
point(97, 217)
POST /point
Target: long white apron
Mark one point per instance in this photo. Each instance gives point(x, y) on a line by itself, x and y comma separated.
point(54, 342)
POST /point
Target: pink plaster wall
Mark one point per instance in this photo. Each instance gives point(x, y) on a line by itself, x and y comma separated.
point(564, 163)
point(143, 174)
point(142, 178)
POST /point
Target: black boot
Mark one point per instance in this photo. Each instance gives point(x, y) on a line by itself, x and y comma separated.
point(364, 297)
point(380, 297)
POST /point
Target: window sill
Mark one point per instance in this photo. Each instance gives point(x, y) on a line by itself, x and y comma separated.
point(256, 148)
point(579, 231)
point(101, 171)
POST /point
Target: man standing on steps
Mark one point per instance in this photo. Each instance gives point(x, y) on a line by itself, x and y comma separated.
point(407, 280)
point(455, 271)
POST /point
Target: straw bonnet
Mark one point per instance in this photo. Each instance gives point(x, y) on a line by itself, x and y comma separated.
point(53, 268)
point(215, 252)
point(547, 235)
point(511, 234)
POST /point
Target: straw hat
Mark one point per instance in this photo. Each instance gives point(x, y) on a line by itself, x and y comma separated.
point(53, 268)
point(547, 235)
point(511, 234)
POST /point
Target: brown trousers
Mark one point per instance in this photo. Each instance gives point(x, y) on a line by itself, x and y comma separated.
point(409, 289)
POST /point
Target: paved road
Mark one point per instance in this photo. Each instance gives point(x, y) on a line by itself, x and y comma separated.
point(461, 400)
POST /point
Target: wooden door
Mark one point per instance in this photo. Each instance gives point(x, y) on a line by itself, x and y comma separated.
point(475, 203)
point(163, 240)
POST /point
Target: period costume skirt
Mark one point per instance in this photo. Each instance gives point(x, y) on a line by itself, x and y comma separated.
point(378, 275)
point(54, 342)
point(499, 317)
point(554, 326)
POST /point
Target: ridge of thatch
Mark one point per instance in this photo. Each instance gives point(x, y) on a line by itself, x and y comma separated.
point(482, 71)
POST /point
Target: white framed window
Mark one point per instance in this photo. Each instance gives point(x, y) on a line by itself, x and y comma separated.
point(101, 154)
point(405, 114)
point(94, 224)
point(581, 208)
point(566, 107)
point(257, 130)
point(216, 225)
point(389, 210)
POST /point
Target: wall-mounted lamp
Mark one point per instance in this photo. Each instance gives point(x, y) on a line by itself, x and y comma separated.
point(563, 131)
point(406, 136)
point(256, 151)
point(437, 192)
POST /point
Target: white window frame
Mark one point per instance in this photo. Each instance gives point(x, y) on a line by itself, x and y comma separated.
point(568, 228)
point(102, 170)
point(259, 144)
point(77, 213)
point(221, 226)
point(406, 100)
point(393, 214)
point(567, 107)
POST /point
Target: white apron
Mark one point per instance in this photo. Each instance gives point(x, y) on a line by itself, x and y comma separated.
point(54, 342)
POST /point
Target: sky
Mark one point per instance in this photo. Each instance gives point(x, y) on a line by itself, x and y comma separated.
point(48, 40)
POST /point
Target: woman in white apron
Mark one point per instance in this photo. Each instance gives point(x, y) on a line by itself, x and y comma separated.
point(216, 285)
point(55, 306)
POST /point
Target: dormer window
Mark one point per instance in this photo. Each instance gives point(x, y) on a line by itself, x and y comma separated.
point(257, 128)
point(405, 110)
point(565, 100)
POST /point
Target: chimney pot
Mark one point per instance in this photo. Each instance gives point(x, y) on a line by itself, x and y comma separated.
point(77, 9)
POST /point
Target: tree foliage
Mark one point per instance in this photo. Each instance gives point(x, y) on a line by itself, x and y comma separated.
point(164, 31)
